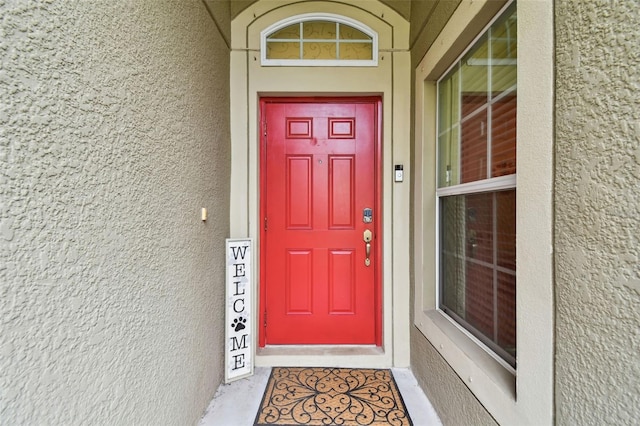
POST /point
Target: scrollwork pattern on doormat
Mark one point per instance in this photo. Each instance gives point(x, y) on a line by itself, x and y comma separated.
point(331, 396)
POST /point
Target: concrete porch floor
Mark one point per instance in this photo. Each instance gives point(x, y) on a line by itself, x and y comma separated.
point(237, 403)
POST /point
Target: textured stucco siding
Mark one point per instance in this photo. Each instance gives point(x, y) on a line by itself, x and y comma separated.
point(114, 132)
point(453, 401)
point(597, 198)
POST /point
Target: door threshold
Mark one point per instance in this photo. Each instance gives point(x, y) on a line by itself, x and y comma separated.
point(364, 356)
point(320, 350)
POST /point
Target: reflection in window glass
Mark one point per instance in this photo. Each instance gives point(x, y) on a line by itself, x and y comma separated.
point(474, 68)
point(448, 164)
point(473, 146)
point(504, 53)
point(477, 104)
point(477, 266)
point(486, 143)
point(503, 135)
point(448, 124)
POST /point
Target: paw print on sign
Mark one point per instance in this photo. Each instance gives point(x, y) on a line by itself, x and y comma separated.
point(239, 324)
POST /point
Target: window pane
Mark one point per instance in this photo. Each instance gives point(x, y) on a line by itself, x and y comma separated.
point(474, 70)
point(319, 30)
point(318, 41)
point(356, 51)
point(477, 106)
point(503, 135)
point(506, 229)
point(477, 266)
point(319, 50)
point(507, 312)
point(292, 32)
point(479, 299)
point(449, 100)
point(350, 33)
point(448, 158)
point(448, 128)
point(504, 53)
point(283, 50)
point(454, 290)
point(486, 118)
point(479, 227)
point(474, 98)
point(473, 143)
point(452, 270)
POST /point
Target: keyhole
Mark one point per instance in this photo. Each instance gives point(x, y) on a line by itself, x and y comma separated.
point(319, 161)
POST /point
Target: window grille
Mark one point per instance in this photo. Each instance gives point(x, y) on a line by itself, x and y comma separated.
point(477, 188)
point(319, 40)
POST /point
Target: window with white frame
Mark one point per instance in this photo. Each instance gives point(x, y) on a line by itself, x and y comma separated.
point(319, 40)
point(476, 188)
point(465, 187)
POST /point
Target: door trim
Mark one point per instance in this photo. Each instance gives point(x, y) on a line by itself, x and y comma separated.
point(392, 80)
point(378, 227)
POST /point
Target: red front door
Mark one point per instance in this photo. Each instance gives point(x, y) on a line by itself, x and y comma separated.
point(319, 201)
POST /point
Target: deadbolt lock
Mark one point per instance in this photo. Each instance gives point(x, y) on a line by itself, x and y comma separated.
point(367, 215)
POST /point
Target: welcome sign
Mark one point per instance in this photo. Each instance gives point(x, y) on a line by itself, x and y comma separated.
point(239, 321)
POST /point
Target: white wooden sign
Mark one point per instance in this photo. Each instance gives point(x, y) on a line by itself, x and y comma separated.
point(239, 318)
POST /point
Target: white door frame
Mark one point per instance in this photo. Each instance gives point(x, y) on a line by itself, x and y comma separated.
point(391, 80)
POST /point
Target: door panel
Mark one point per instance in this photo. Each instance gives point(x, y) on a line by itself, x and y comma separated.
point(319, 173)
point(299, 192)
point(342, 285)
point(341, 192)
point(299, 282)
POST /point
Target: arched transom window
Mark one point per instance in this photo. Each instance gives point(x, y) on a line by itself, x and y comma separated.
point(319, 40)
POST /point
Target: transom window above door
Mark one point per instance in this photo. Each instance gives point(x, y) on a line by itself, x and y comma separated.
point(319, 40)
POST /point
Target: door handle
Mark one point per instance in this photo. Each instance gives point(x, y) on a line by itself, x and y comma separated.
point(366, 236)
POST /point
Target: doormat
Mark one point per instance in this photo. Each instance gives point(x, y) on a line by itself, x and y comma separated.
point(331, 396)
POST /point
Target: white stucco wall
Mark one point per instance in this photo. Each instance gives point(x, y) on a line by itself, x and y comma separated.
point(113, 134)
point(598, 211)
